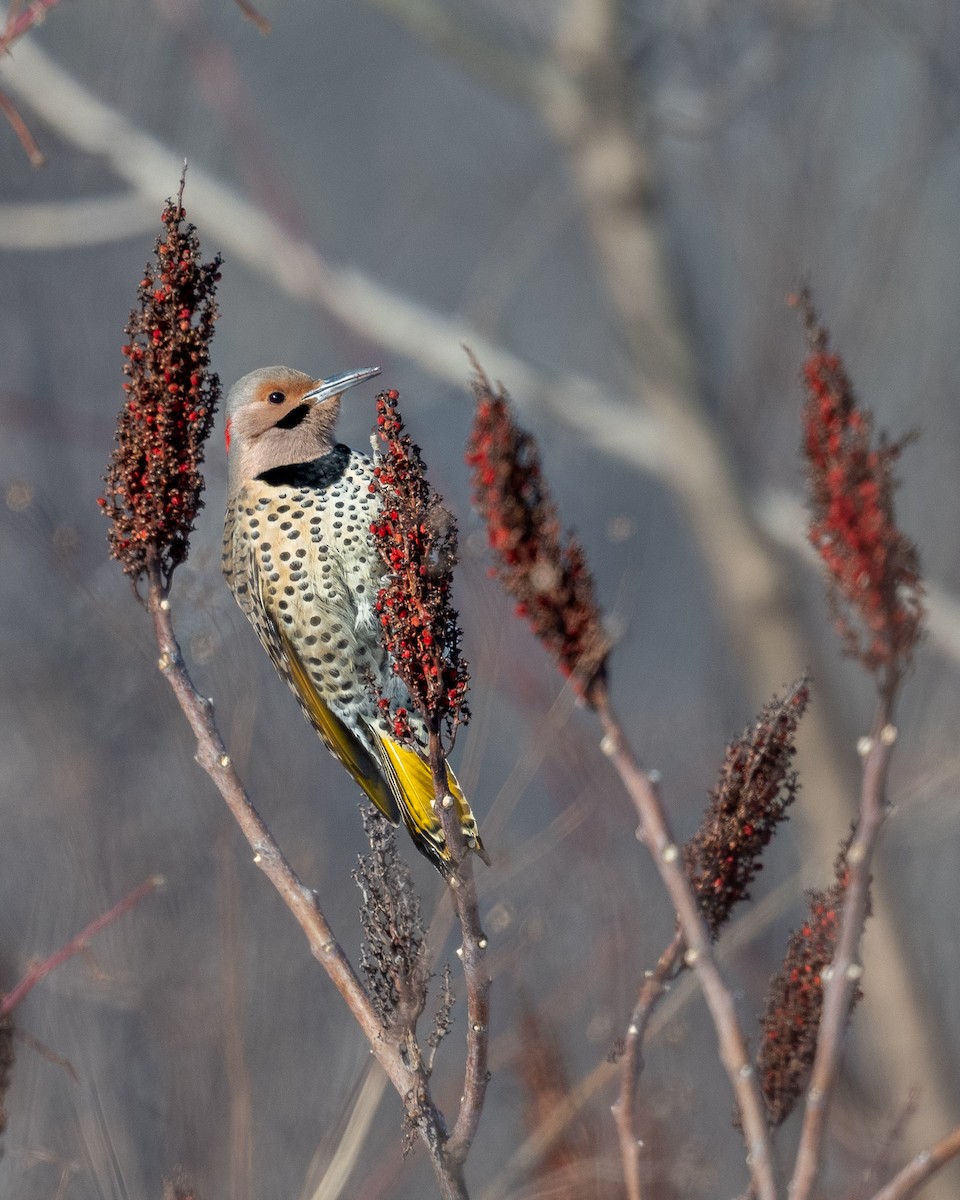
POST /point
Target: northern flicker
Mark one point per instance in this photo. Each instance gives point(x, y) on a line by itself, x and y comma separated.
point(302, 563)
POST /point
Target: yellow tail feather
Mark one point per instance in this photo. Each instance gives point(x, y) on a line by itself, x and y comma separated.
point(400, 784)
point(411, 782)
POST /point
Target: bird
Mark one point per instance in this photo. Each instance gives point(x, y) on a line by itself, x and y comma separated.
point(300, 558)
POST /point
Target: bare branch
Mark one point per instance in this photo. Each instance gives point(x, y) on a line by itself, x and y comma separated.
point(845, 970)
point(472, 954)
point(916, 1173)
point(77, 945)
point(21, 19)
point(625, 1109)
point(668, 858)
point(20, 128)
point(301, 900)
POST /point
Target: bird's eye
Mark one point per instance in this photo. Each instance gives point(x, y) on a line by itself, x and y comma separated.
point(276, 397)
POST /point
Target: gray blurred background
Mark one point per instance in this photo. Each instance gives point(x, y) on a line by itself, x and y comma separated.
point(609, 203)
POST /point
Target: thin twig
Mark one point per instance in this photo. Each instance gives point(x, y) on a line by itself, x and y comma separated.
point(252, 14)
point(880, 1166)
point(845, 970)
point(45, 1052)
point(625, 1108)
point(655, 833)
point(916, 1173)
point(20, 128)
point(20, 20)
point(77, 945)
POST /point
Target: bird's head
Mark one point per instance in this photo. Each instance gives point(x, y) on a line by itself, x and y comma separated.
point(277, 416)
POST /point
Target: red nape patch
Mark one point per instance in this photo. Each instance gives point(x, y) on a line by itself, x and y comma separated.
point(226, 435)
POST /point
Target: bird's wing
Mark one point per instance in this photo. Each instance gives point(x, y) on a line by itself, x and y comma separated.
point(237, 555)
point(339, 739)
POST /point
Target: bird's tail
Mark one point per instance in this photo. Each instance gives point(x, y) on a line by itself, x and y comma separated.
point(411, 782)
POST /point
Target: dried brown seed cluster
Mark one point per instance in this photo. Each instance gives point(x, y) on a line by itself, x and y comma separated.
point(875, 590)
point(390, 956)
point(442, 1018)
point(546, 575)
point(791, 1023)
point(417, 539)
point(153, 483)
point(755, 788)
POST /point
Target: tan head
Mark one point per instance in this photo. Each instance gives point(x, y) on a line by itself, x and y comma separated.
point(277, 416)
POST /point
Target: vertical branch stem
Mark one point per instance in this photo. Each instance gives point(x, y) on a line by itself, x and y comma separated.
point(667, 856)
point(845, 969)
point(625, 1107)
point(301, 900)
point(473, 954)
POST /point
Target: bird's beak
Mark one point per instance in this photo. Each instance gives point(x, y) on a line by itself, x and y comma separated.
point(327, 388)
